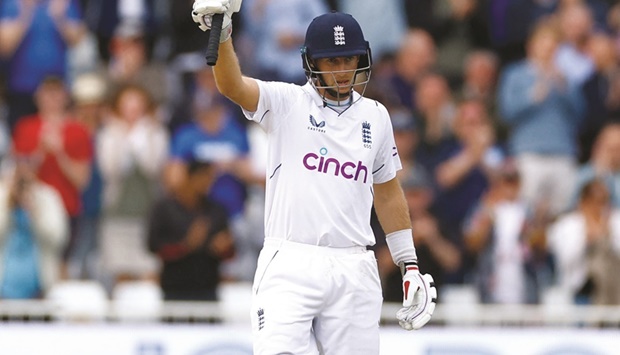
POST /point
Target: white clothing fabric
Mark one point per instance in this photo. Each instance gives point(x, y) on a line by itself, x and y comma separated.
point(567, 242)
point(121, 148)
point(315, 151)
point(547, 179)
point(316, 288)
point(50, 226)
point(574, 65)
point(294, 282)
point(508, 253)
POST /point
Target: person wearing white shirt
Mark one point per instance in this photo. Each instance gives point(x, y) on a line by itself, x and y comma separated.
point(331, 156)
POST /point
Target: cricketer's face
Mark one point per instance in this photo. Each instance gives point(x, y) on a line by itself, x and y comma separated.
point(338, 74)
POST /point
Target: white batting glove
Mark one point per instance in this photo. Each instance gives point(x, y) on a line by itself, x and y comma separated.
point(419, 297)
point(203, 11)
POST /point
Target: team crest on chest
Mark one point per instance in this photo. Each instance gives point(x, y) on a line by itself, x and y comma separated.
point(316, 126)
point(366, 135)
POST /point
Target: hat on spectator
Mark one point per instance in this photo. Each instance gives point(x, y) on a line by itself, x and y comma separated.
point(88, 88)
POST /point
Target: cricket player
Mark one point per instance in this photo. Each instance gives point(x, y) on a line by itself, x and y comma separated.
point(331, 156)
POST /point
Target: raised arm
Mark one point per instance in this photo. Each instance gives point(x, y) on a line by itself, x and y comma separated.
point(230, 81)
point(240, 89)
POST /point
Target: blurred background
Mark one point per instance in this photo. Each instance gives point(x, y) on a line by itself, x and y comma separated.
point(132, 192)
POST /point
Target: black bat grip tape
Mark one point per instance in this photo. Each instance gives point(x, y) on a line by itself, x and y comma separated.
point(214, 39)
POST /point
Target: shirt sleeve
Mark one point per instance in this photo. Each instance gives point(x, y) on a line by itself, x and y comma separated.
point(387, 161)
point(275, 101)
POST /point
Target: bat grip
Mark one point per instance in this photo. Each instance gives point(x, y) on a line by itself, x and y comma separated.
point(214, 39)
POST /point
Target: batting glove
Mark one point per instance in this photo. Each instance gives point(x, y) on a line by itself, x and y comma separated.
point(203, 11)
point(419, 297)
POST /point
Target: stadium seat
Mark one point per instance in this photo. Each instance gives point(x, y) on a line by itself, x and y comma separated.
point(140, 300)
point(75, 300)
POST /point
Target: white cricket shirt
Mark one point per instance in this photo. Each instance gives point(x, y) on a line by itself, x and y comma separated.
point(322, 165)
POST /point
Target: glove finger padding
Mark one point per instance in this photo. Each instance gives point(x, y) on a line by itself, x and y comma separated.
point(203, 11)
point(419, 299)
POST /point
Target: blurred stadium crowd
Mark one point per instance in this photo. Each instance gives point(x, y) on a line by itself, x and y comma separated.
point(120, 160)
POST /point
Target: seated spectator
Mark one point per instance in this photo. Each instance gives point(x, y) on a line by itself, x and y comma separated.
point(585, 243)
point(33, 232)
point(604, 164)
point(502, 238)
point(436, 254)
point(189, 232)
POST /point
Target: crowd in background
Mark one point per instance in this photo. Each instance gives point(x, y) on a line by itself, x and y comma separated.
point(121, 161)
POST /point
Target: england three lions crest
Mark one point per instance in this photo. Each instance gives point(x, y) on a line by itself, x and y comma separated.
point(366, 135)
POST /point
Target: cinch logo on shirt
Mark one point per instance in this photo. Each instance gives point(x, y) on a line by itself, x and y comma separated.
point(322, 164)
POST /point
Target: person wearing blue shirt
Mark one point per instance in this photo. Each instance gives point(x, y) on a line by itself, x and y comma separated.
point(33, 232)
point(34, 39)
point(543, 110)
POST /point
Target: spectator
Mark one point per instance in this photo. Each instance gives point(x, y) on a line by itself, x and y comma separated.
point(385, 29)
point(280, 37)
point(457, 29)
point(104, 16)
point(414, 58)
point(480, 71)
point(497, 236)
point(131, 150)
point(586, 245)
point(59, 146)
point(405, 138)
point(189, 232)
point(435, 113)
point(35, 37)
point(89, 94)
point(432, 239)
point(576, 25)
point(604, 164)
point(543, 111)
point(470, 162)
point(5, 134)
point(129, 64)
point(601, 92)
point(215, 134)
point(187, 55)
point(33, 232)
point(511, 21)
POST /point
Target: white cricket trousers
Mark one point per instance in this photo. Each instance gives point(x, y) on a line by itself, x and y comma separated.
point(308, 299)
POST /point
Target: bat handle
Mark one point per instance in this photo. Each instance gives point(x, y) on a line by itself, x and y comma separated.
point(214, 39)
